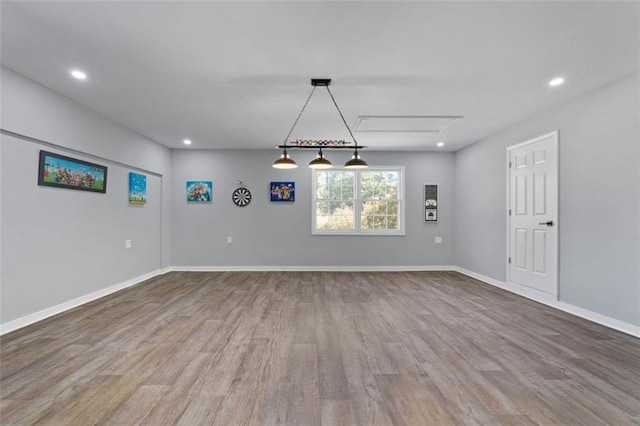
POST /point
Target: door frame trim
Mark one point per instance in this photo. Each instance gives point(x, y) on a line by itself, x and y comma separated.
point(555, 134)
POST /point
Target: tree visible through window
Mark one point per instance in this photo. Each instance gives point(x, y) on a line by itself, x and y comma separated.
point(358, 201)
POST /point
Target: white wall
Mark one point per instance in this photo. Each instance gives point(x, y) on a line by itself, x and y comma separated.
point(58, 245)
point(599, 223)
point(279, 234)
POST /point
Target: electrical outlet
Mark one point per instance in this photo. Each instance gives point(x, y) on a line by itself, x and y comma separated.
point(229, 240)
point(438, 240)
point(127, 244)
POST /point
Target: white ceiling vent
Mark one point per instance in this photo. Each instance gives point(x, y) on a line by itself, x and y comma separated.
point(405, 123)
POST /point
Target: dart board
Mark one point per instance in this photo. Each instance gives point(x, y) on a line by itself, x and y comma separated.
point(241, 197)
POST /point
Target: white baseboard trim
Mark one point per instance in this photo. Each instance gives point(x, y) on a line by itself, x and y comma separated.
point(309, 268)
point(550, 300)
point(62, 307)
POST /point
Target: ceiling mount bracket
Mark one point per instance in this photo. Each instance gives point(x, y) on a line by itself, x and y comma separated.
point(320, 82)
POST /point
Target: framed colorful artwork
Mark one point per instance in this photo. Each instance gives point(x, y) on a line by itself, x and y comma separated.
point(283, 191)
point(137, 188)
point(66, 172)
point(199, 191)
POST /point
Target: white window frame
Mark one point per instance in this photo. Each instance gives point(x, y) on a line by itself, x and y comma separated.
point(358, 204)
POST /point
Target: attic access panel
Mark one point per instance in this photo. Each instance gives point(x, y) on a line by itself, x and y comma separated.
point(405, 123)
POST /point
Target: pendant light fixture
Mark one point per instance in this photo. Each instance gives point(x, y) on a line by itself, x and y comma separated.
point(320, 162)
point(356, 162)
point(285, 162)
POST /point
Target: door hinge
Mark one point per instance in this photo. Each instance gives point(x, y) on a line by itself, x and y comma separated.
point(509, 260)
point(509, 164)
point(509, 212)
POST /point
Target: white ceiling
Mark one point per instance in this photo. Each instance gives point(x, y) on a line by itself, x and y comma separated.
point(235, 74)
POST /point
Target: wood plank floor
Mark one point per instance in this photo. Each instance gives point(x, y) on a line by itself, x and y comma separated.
point(318, 348)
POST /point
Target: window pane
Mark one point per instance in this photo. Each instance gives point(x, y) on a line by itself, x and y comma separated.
point(379, 222)
point(335, 192)
point(379, 185)
point(379, 215)
point(392, 207)
point(339, 216)
point(348, 192)
point(391, 192)
point(334, 178)
point(322, 208)
point(391, 185)
point(367, 186)
point(348, 178)
point(366, 222)
point(322, 190)
point(373, 207)
point(392, 178)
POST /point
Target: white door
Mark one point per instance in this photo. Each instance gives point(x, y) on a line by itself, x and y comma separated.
point(533, 214)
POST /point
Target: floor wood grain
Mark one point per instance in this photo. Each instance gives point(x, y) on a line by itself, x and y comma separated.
point(318, 348)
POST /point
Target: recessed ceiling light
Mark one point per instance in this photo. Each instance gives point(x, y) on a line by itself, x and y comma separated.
point(440, 144)
point(79, 74)
point(186, 142)
point(556, 82)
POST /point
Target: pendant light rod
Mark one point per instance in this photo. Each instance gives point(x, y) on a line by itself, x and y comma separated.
point(342, 116)
point(299, 115)
point(319, 146)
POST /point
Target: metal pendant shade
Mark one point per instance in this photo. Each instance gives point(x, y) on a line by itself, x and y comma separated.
point(285, 162)
point(320, 162)
point(356, 162)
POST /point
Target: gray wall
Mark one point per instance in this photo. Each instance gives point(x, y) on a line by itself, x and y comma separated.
point(49, 256)
point(57, 244)
point(599, 207)
point(279, 234)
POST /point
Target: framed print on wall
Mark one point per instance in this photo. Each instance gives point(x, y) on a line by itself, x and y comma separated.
point(431, 203)
point(199, 191)
point(137, 188)
point(65, 172)
point(283, 191)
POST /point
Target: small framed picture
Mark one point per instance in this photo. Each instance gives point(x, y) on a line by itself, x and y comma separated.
point(137, 188)
point(199, 191)
point(431, 203)
point(283, 191)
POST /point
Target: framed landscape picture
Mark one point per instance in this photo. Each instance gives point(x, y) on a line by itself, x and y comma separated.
point(199, 191)
point(137, 188)
point(66, 172)
point(283, 191)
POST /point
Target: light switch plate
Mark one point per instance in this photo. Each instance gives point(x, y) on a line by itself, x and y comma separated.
point(127, 244)
point(438, 240)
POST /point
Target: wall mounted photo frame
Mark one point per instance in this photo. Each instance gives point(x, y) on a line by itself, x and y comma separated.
point(199, 191)
point(283, 191)
point(65, 172)
point(137, 188)
point(431, 203)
